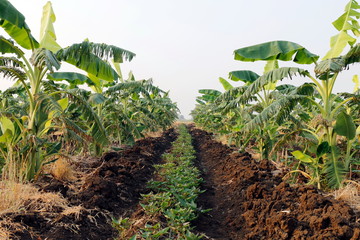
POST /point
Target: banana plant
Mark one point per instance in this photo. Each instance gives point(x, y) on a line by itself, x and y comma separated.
point(143, 107)
point(262, 98)
point(206, 113)
point(127, 107)
point(46, 57)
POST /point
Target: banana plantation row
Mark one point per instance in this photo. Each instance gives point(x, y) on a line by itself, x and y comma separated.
point(306, 128)
point(46, 114)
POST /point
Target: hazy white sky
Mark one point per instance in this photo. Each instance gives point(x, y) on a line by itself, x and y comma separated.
point(186, 45)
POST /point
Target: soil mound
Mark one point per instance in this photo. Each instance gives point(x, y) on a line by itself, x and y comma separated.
point(111, 189)
point(117, 183)
point(249, 201)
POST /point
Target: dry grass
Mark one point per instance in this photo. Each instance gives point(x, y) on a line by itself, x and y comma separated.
point(62, 170)
point(76, 211)
point(349, 194)
point(16, 197)
point(180, 122)
point(7, 227)
point(19, 197)
point(14, 170)
point(223, 139)
point(13, 195)
point(153, 134)
point(45, 202)
point(5, 231)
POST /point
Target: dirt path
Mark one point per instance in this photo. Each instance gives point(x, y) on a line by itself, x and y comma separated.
point(249, 202)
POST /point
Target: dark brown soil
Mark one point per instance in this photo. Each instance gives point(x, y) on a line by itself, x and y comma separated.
point(112, 189)
point(249, 202)
point(121, 177)
point(247, 198)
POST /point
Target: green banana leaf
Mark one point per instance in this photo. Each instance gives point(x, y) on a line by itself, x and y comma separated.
point(6, 124)
point(276, 50)
point(209, 95)
point(7, 46)
point(227, 86)
point(345, 126)
point(346, 22)
point(282, 106)
point(93, 58)
point(245, 76)
point(42, 57)
point(210, 92)
point(327, 68)
point(271, 65)
point(322, 149)
point(11, 68)
point(285, 88)
point(353, 56)
point(302, 157)
point(13, 22)
point(91, 64)
point(269, 77)
point(96, 98)
point(71, 77)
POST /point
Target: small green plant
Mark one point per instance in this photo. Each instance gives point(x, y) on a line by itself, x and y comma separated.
point(153, 232)
point(121, 225)
point(173, 198)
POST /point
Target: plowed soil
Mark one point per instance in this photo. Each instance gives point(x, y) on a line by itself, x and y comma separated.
point(111, 189)
point(248, 199)
point(249, 202)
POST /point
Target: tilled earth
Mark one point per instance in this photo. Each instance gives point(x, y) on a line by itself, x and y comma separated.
point(248, 199)
point(111, 189)
point(249, 202)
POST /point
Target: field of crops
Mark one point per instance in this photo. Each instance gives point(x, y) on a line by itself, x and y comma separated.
point(91, 154)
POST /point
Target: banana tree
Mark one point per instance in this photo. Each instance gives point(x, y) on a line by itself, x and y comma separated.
point(261, 100)
point(335, 120)
point(143, 107)
point(127, 107)
point(46, 57)
point(206, 113)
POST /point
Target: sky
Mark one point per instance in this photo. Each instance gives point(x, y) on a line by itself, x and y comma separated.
point(186, 45)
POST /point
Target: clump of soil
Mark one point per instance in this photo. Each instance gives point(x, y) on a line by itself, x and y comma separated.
point(112, 188)
point(249, 201)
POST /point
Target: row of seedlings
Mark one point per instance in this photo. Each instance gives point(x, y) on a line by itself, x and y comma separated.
point(171, 205)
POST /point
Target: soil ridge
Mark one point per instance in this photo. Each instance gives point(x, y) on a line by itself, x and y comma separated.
point(249, 201)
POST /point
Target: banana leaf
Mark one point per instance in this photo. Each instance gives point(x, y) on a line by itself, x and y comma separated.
point(245, 76)
point(345, 23)
point(13, 22)
point(276, 50)
point(71, 77)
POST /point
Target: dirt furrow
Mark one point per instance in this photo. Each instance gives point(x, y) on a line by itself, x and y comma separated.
point(112, 189)
point(249, 201)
